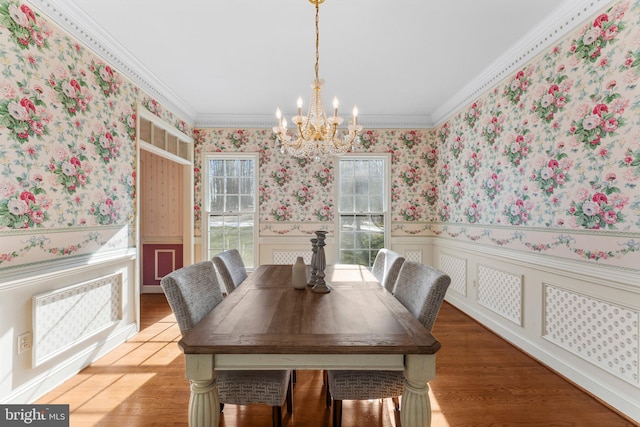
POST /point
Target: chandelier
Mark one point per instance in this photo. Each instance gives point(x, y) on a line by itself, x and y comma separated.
point(317, 135)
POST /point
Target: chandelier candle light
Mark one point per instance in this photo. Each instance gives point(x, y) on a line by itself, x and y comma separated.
point(317, 135)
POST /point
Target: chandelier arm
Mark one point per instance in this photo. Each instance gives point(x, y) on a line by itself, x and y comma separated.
point(318, 136)
point(302, 134)
point(333, 133)
point(353, 136)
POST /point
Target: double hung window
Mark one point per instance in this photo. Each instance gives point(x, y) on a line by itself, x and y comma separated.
point(363, 207)
point(231, 204)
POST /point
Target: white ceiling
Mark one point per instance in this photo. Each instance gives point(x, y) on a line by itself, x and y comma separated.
point(403, 62)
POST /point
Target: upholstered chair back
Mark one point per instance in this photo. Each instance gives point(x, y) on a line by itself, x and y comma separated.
point(231, 269)
point(421, 289)
point(386, 267)
point(192, 292)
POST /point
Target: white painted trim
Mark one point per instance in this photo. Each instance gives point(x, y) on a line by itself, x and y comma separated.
point(568, 16)
point(71, 18)
point(52, 378)
point(149, 116)
point(42, 272)
point(155, 266)
point(144, 145)
point(187, 191)
point(593, 384)
point(261, 121)
point(251, 155)
point(152, 289)
point(615, 285)
point(615, 277)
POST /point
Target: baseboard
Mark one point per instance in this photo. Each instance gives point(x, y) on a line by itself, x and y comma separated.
point(152, 289)
point(52, 378)
point(591, 384)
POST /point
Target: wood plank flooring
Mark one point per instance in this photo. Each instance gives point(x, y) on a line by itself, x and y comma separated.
point(481, 381)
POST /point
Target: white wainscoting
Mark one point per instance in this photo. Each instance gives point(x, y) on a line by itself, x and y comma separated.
point(580, 319)
point(67, 316)
point(603, 333)
point(456, 268)
point(290, 257)
point(285, 250)
point(76, 314)
point(500, 292)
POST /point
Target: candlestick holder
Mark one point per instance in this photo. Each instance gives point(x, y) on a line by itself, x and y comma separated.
point(314, 256)
point(320, 285)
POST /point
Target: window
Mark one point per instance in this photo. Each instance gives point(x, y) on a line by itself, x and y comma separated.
point(363, 208)
point(230, 205)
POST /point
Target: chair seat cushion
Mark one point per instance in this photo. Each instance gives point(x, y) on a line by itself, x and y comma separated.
point(363, 385)
point(250, 387)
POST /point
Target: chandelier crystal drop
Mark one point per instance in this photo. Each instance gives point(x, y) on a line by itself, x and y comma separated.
point(317, 135)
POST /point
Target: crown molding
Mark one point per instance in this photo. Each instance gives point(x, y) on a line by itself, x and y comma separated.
point(67, 15)
point(567, 17)
point(262, 121)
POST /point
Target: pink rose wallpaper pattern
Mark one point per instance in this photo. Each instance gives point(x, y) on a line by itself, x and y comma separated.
point(548, 156)
point(67, 140)
point(547, 161)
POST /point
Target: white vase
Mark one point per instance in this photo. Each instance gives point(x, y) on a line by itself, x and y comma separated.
point(299, 274)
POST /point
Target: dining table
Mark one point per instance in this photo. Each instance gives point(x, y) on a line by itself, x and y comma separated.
point(265, 323)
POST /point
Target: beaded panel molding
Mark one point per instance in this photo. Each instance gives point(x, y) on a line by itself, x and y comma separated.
point(500, 292)
point(600, 332)
point(289, 257)
point(66, 316)
point(456, 268)
point(414, 256)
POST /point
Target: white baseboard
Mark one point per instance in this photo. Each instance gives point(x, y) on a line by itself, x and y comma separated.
point(52, 378)
point(152, 289)
point(592, 381)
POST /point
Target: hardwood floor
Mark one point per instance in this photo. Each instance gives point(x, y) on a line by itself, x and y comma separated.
point(142, 383)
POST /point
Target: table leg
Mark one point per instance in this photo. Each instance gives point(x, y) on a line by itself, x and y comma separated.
point(204, 403)
point(416, 408)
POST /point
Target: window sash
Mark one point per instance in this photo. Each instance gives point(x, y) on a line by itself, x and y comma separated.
point(231, 185)
point(362, 185)
point(363, 205)
point(230, 205)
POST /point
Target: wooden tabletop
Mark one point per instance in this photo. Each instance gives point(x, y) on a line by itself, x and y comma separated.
point(266, 315)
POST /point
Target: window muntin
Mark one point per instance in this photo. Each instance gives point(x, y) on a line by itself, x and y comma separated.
point(231, 205)
point(362, 207)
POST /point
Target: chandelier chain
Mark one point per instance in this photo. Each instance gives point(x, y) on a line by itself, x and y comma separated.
point(317, 40)
point(317, 135)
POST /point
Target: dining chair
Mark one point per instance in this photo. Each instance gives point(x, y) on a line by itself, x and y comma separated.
point(192, 292)
point(386, 267)
point(421, 289)
point(231, 269)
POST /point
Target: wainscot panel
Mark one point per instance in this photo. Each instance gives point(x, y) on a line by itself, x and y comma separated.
point(580, 320)
point(25, 377)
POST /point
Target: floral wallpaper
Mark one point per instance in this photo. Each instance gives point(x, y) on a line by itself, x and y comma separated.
point(547, 161)
point(67, 141)
point(554, 147)
point(297, 196)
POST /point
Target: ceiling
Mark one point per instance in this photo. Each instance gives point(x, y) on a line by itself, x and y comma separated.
point(405, 63)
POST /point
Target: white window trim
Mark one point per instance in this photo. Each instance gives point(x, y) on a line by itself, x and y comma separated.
point(387, 200)
point(205, 201)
